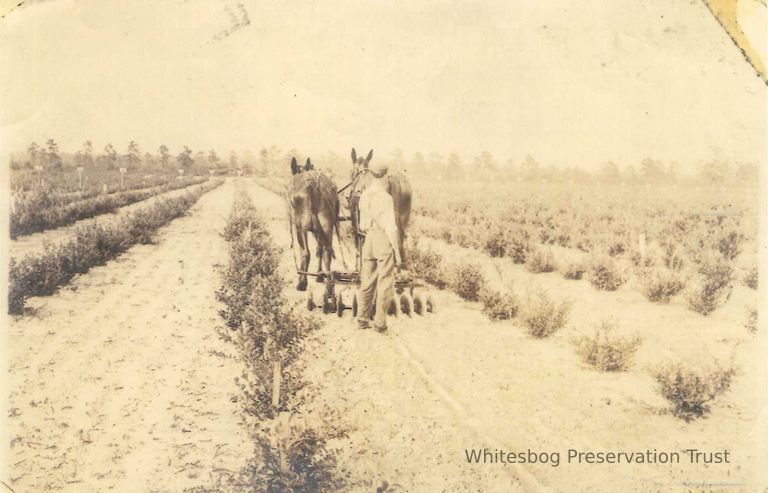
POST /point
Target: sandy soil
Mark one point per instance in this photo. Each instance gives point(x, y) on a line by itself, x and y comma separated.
point(120, 382)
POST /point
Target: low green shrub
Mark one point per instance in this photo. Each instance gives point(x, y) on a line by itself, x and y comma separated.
point(660, 285)
point(499, 305)
point(541, 316)
point(574, 270)
point(606, 275)
point(428, 265)
point(605, 351)
point(467, 280)
point(713, 287)
point(689, 391)
point(295, 456)
point(750, 280)
point(519, 247)
point(540, 260)
point(497, 243)
point(751, 323)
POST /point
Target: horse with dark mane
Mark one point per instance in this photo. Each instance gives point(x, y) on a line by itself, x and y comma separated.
point(397, 186)
point(314, 209)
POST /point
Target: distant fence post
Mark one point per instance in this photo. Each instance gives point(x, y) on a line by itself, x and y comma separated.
point(122, 177)
point(80, 177)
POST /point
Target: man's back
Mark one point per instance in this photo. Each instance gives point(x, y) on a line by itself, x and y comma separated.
point(377, 209)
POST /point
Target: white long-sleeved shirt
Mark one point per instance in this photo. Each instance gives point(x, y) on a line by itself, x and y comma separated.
point(377, 210)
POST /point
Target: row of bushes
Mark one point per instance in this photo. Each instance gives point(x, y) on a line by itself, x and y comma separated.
point(598, 223)
point(539, 315)
point(688, 390)
point(706, 282)
point(91, 245)
point(41, 210)
point(291, 448)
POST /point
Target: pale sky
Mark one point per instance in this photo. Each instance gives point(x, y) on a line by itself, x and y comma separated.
point(572, 83)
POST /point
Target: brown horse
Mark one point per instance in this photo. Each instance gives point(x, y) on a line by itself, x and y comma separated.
point(397, 186)
point(314, 207)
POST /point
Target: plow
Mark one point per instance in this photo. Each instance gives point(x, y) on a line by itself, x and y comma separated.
point(411, 297)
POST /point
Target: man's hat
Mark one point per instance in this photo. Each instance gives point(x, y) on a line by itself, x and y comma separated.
point(378, 167)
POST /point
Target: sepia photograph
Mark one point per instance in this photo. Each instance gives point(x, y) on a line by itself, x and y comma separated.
point(383, 246)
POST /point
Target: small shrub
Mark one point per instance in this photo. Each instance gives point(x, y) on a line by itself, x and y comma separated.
point(497, 244)
point(606, 275)
point(751, 323)
point(690, 392)
point(616, 248)
point(540, 260)
point(730, 245)
point(541, 316)
point(672, 254)
point(467, 280)
point(519, 246)
point(605, 351)
point(713, 288)
point(293, 455)
point(751, 278)
point(427, 265)
point(659, 286)
point(574, 270)
point(498, 305)
point(640, 261)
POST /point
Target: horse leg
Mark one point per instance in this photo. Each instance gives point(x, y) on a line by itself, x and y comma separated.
point(302, 236)
point(327, 254)
point(402, 247)
point(325, 250)
point(319, 255)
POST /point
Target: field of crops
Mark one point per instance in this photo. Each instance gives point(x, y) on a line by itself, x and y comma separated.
point(588, 304)
point(664, 241)
point(41, 201)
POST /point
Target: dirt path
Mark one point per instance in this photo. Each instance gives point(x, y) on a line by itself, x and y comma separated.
point(120, 382)
point(432, 387)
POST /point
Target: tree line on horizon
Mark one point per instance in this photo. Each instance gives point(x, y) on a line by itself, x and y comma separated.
point(271, 161)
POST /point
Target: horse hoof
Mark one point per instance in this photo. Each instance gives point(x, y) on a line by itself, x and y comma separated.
point(301, 286)
point(320, 278)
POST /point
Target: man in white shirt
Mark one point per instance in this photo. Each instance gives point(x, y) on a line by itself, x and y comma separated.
point(380, 250)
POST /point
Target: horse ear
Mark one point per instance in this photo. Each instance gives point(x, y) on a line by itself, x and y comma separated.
point(354, 156)
point(294, 166)
point(308, 165)
point(370, 156)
